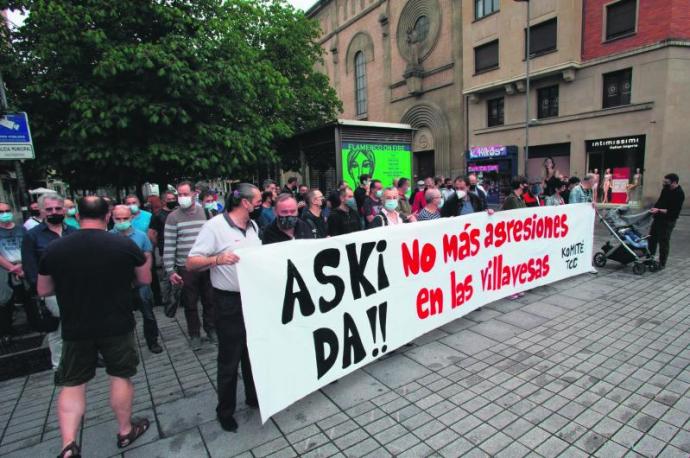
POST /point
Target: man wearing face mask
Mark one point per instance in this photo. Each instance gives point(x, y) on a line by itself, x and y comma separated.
point(34, 216)
point(373, 203)
point(181, 230)
point(419, 201)
point(141, 219)
point(514, 200)
point(34, 245)
point(344, 218)
point(666, 211)
point(313, 214)
point(404, 206)
point(122, 217)
point(11, 273)
point(287, 225)
point(214, 250)
point(71, 214)
point(463, 202)
point(432, 209)
point(476, 188)
point(388, 216)
point(209, 203)
point(169, 296)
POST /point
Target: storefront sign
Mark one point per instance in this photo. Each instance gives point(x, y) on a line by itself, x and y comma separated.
point(615, 144)
point(380, 161)
point(317, 310)
point(482, 168)
point(483, 152)
point(619, 186)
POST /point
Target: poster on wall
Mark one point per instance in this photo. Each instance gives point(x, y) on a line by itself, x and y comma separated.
point(619, 188)
point(337, 304)
point(385, 162)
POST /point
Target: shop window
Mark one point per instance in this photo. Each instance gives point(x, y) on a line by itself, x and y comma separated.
point(547, 98)
point(543, 38)
point(361, 84)
point(486, 57)
point(617, 88)
point(495, 112)
point(484, 8)
point(620, 18)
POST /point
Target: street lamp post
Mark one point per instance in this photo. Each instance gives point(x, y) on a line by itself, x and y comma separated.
point(527, 82)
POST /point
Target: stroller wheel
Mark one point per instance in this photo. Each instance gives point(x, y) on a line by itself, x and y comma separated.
point(652, 265)
point(600, 259)
point(638, 268)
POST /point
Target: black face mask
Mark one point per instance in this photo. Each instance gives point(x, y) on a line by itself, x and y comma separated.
point(55, 219)
point(254, 214)
point(35, 212)
point(171, 205)
point(667, 186)
point(287, 222)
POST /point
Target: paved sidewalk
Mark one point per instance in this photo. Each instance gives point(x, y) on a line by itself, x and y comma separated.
point(595, 365)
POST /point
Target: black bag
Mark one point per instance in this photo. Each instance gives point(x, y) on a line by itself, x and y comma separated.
point(38, 315)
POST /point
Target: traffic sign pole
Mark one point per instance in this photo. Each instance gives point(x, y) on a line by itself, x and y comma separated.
point(21, 182)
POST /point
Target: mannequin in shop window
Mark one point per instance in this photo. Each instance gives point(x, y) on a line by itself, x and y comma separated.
point(595, 185)
point(635, 189)
point(608, 179)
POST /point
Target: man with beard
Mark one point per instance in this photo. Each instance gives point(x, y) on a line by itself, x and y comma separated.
point(287, 225)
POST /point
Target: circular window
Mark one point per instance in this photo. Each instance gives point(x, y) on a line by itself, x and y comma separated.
point(422, 28)
point(418, 29)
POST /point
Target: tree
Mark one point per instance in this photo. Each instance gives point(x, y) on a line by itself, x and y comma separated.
point(119, 92)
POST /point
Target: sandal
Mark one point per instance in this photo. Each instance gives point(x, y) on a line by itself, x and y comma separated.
point(139, 427)
point(73, 450)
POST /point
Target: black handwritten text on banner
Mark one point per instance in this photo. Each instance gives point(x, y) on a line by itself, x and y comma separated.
point(316, 310)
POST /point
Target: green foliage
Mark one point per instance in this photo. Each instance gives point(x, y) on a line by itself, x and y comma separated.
point(127, 90)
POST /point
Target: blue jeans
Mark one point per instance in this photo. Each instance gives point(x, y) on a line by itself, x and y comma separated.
point(150, 325)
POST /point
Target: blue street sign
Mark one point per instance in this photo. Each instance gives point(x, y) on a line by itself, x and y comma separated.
point(15, 137)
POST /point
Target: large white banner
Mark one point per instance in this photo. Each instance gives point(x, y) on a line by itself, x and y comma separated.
point(316, 310)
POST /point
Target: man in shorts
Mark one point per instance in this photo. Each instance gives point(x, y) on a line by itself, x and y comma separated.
point(92, 275)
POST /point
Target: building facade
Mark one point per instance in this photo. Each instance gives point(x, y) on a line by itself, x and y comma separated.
point(401, 62)
point(608, 89)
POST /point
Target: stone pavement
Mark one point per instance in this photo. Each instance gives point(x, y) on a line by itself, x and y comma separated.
point(594, 365)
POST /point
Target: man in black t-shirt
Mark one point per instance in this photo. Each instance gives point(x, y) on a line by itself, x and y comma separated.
point(92, 273)
point(344, 218)
point(666, 211)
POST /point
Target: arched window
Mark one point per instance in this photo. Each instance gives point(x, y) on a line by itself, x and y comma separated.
point(360, 84)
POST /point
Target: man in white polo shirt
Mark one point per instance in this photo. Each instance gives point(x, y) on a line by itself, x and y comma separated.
point(214, 248)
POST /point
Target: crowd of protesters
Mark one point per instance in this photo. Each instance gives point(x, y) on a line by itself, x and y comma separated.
point(82, 269)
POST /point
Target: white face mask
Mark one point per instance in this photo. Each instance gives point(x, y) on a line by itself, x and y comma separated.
point(185, 201)
point(461, 194)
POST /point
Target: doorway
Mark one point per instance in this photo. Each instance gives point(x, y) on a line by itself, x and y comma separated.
point(424, 164)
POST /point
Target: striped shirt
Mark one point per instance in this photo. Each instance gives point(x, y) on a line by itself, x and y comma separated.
point(426, 215)
point(181, 230)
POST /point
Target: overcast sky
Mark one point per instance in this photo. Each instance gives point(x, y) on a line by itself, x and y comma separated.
point(16, 18)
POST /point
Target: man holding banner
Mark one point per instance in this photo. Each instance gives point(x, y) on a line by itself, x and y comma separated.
point(214, 249)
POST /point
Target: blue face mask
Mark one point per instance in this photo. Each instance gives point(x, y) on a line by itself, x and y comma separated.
point(71, 212)
point(123, 226)
point(379, 193)
point(6, 217)
point(352, 203)
point(210, 206)
point(134, 208)
point(440, 204)
point(391, 204)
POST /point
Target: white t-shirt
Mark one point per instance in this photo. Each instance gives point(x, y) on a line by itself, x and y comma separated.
point(220, 234)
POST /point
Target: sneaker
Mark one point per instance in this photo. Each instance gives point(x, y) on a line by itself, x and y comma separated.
point(212, 337)
point(195, 343)
point(156, 348)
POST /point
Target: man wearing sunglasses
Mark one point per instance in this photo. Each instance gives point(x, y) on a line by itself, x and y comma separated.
point(34, 244)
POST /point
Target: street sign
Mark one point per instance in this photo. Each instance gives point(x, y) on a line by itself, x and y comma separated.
point(15, 137)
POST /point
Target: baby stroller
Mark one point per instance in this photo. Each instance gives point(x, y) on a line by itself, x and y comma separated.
point(627, 245)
